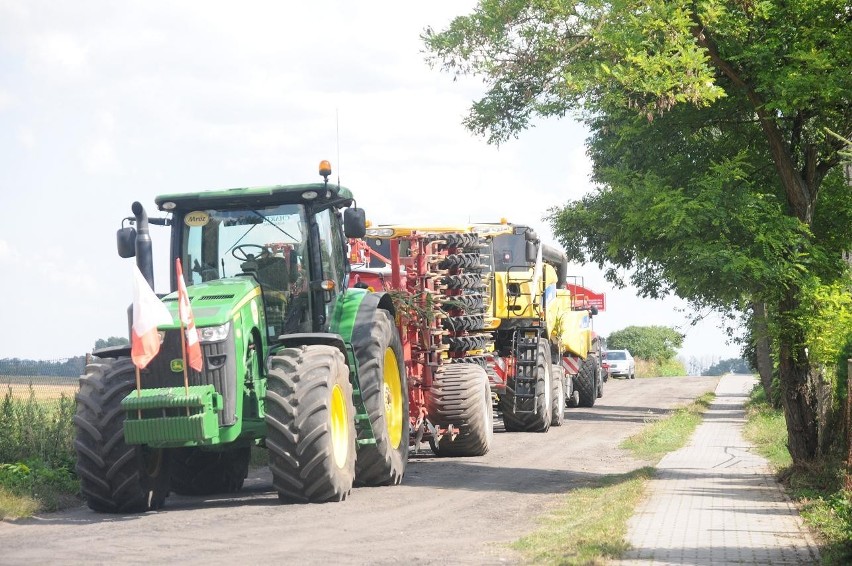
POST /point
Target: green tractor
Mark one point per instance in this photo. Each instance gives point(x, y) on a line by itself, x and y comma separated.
point(293, 359)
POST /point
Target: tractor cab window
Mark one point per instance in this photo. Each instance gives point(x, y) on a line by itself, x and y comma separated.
point(268, 244)
point(332, 252)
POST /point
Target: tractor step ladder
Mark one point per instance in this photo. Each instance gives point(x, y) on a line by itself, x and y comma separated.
point(363, 427)
point(526, 369)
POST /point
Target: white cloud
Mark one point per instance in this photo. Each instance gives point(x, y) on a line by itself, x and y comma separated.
point(58, 52)
point(6, 100)
point(27, 137)
point(5, 251)
point(161, 97)
point(99, 158)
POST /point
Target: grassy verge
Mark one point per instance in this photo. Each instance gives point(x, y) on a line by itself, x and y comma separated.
point(36, 455)
point(590, 524)
point(668, 368)
point(660, 437)
point(817, 489)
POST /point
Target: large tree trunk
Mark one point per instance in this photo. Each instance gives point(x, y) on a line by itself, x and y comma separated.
point(798, 396)
point(762, 350)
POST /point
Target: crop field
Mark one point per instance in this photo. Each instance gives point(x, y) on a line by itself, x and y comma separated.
point(43, 388)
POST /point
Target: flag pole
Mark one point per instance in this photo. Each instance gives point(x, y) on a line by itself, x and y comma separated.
point(138, 391)
point(183, 357)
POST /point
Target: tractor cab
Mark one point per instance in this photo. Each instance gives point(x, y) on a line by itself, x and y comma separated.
point(287, 239)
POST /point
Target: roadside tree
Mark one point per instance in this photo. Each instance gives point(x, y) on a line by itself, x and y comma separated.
point(717, 180)
point(655, 343)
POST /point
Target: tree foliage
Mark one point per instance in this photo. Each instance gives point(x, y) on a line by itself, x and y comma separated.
point(111, 341)
point(712, 140)
point(66, 367)
point(732, 365)
point(654, 343)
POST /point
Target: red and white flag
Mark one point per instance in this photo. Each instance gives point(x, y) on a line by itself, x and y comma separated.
point(193, 347)
point(148, 313)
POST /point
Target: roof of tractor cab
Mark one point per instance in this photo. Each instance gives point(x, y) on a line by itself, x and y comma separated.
point(258, 196)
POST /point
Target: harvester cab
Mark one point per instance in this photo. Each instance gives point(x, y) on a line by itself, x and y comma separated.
point(545, 350)
point(266, 277)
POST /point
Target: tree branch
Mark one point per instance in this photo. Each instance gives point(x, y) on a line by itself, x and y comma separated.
point(799, 196)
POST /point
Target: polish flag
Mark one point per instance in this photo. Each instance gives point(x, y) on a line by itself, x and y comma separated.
point(148, 313)
point(193, 347)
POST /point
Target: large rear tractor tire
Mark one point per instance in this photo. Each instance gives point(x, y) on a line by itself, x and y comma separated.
point(204, 472)
point(532, 415)
point(114, 477)
point(557, 398)
point(384, 388)
point(461, 396)
point(310, 422)
point(587, 381)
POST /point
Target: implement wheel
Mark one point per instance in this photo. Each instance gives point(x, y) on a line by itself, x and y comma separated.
point(532, 415)
point(557, 400)
point(461, 396)
point(204, 472)
point(384, 388)
point(310, 422)
point(587, 382)
point(114, 477)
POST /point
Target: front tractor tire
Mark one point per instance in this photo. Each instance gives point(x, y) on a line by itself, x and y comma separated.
point(461, 396)
point(310, 422)
point(384, 389)
point(535, 414)
point(115, 477)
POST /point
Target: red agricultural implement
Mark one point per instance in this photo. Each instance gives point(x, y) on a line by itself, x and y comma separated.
point(435, 279)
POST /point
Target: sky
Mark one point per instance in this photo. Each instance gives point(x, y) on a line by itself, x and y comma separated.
point(104, 103)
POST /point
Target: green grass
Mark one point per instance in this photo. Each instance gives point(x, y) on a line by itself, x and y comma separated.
point(589, 525)
point(14, 506)
point(817, 489)
point(766, 428)
point(670, 433)
point(36, 455)
point(668, 368)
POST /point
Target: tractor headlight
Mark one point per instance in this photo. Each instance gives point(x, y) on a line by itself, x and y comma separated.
point(214, 333)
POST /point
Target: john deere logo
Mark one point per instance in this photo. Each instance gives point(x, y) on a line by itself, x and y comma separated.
point(176, 365)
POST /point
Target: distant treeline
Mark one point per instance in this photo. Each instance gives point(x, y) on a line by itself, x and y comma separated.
point(65, 367)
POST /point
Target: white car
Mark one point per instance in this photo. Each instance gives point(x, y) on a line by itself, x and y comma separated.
point(620, 362)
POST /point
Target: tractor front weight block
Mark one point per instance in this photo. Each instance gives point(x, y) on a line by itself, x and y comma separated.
point(172, 416)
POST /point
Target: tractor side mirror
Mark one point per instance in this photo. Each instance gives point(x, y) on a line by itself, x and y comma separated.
point(354, 223)
point(126, 240)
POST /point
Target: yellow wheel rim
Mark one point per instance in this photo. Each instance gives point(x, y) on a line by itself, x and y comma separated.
point(393, 398)
point(339, 427)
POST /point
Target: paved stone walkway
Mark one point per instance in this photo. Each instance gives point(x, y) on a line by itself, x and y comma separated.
point(716, 502)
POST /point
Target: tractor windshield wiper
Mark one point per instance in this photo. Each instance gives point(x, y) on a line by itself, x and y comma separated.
point(277, 227)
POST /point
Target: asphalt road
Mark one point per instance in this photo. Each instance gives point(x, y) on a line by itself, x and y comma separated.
point(447, 511)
